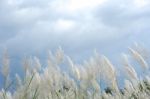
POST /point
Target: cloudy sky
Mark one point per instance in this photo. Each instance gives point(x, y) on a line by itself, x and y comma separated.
point(78, 26)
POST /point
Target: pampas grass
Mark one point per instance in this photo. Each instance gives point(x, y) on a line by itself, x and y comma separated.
point(79, 81)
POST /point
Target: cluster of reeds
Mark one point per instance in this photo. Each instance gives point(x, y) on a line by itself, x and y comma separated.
point(78, 81)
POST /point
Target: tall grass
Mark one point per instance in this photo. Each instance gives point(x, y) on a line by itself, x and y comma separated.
point(78, 81)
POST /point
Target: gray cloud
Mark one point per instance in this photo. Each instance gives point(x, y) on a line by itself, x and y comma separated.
point(27, 26)
point(124, 16)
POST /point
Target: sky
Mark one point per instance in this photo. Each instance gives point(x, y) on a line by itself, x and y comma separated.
point(32, 27)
